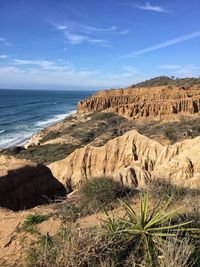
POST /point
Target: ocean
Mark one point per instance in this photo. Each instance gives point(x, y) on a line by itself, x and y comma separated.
point(25, 112)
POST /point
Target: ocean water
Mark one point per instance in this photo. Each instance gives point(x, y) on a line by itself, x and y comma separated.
point(25, 112)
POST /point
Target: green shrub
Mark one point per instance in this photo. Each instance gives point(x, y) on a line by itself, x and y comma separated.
point(161, 188)
point(147, 231)
point(103, 190)
point(32, 220)
point(99, 192)
point(104, 115)
point(168, 81)
point(171, 134)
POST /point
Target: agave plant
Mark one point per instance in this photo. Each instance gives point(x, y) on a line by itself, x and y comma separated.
point(147, 230)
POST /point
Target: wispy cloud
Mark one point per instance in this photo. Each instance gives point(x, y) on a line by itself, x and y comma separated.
point(76, 39)
point(127, 73)
point(163, 45)
point(45, 64)
point(169, 67)
point(39, 73)
point(150, 7)
point(90, 29)
point(79, 33)
point(3, 56)
point(185, 70)
point(124, 32)
point(4, 41)
point(61, 27)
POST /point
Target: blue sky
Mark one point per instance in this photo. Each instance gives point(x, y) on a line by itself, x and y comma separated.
point(63, 44)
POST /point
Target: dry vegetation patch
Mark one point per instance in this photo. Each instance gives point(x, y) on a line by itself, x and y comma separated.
point(120, 242)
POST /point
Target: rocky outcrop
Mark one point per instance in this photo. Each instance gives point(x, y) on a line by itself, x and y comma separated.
point(132, 159)
point(145, 102)
point(25, 184)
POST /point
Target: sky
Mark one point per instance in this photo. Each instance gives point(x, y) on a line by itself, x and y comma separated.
point(90, 44)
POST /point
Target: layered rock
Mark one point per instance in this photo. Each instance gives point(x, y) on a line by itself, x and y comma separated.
point(132, 159)
point(145, 102)
point(25, 184)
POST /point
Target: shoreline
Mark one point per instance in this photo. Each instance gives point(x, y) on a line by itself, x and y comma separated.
point(22, 142)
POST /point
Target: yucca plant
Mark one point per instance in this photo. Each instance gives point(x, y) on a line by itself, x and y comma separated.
point(146, 231)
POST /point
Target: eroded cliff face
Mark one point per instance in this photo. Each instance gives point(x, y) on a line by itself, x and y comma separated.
point(25, 184)
point(132, 159)
point(145, 102)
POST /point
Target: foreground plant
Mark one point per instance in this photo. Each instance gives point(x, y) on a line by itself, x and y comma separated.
point(101, 191)
point(145, 233)
point(32, 220)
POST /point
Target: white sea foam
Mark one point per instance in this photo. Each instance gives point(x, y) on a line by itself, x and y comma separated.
point(14, 140)
point(53, 120)
point(18, 139)
point(2, 131)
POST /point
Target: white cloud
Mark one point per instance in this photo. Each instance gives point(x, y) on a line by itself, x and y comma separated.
point(150, 7)
point(45, 64)
point(47, 73)
point(182, 70)
point(79, 33)
point(10, 69)
point(76, 39)
point(4, 41)
point(127, 76)
point(3, 56)
point(163, 45)
point(90, 29)
point(169, 67)
point(124, 32)
point(61, 27)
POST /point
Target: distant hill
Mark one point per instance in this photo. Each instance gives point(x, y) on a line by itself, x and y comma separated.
point(164, 80)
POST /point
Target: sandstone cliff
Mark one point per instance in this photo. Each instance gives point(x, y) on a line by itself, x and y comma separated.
point(149, 102)
point(134, 160)
point(24, 184)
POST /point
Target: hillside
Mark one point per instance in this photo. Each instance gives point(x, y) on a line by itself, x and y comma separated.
point(165, 81)
point(130, 144)
point(161, 103)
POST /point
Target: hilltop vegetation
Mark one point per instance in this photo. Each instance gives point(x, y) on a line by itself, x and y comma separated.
point(97, 129)
point(168, 81)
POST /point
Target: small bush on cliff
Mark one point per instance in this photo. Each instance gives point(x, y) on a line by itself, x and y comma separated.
point(161, 188)
point(32, 220)
point(95, 195)
point(100, 192)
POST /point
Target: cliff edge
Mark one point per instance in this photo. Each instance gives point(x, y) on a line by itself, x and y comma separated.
point(164, 102)
point(134, 160)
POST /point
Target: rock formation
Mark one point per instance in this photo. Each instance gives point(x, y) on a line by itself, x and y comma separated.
point(134, 160)
point(145, 102)
point(25, 184)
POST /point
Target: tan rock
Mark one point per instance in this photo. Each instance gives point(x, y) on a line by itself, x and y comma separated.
point(145, 102)
point(25, 184)
point(134, 160)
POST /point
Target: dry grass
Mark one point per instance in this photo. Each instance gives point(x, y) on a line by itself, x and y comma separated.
point(177, 253)
point(79, 247)
point(98, 246)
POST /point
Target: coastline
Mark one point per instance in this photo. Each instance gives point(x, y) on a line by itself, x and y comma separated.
point(24, 113)
point(48, 123)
